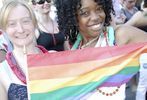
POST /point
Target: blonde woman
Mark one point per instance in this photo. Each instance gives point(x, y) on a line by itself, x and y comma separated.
point(18, 21)
point(48, 35)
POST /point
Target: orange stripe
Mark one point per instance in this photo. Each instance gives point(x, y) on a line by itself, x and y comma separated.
point(74, 69)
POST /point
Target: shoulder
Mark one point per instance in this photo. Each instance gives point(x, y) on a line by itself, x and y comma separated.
point(125, 34)
point(120, 34)
point(138, 19)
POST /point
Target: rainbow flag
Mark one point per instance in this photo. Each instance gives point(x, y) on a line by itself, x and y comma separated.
point(74, 74)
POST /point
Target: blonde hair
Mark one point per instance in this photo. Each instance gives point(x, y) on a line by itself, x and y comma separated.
point(7, 8)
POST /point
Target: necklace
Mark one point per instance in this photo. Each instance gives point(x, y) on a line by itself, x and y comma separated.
point(89, 43)
point(110, 93)
point(52, 33)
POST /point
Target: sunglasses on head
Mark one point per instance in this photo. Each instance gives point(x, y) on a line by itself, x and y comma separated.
point(43, 1)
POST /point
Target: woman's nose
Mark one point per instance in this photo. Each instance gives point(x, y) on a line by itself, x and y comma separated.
point(20, 28)
point(95, 16)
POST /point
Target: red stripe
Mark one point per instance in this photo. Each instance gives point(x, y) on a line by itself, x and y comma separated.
point(88, 54)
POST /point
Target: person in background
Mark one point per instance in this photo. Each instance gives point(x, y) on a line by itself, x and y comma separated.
point(48, 32)
point(142, 84)
point(5, 44)
point(18, 21)
point(2, 55)
point(87, 23)
point(129, 8)
point(119, 15)
point(2, 48)
point(139, 19)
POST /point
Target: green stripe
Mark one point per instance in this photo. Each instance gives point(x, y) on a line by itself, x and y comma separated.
point(129, 70)
point(63, 93)
point(79, 89)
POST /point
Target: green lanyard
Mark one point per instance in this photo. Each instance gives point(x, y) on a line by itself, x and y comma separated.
point(111, 36)
point(77, 43)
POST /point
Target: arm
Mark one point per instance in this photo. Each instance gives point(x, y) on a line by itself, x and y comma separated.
point(128, 34)
point(3, 94)
point(138, 19)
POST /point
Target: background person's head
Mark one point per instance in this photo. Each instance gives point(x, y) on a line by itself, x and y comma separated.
point(42, 6)
point(18, 21)
point(129, 4)
point(74, 14)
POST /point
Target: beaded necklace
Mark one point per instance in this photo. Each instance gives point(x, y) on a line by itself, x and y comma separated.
point(110, 93)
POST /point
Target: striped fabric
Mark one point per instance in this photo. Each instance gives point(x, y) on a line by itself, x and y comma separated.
point(74, 74)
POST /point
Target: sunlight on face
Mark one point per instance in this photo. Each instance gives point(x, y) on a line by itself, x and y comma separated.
point(91, 18)
point(20, 27)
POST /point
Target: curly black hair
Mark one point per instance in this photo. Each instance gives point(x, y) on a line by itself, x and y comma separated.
point(67, 12)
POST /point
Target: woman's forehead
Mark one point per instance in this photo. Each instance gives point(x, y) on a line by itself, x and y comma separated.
point(19, 11)
point(86, 3)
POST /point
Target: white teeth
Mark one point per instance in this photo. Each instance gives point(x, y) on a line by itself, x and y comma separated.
point(96, 26)
point(21, 37)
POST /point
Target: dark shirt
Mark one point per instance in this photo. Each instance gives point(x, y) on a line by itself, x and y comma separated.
point(17, 92)
point(51, 41)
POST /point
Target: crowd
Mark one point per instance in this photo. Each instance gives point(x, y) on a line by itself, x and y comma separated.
point(28, 27)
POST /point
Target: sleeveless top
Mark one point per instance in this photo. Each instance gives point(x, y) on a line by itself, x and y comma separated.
point(106, 39)
point(51, 41)
point(16, 89)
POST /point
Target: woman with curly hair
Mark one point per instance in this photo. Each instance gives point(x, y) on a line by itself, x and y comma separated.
point(87, 24)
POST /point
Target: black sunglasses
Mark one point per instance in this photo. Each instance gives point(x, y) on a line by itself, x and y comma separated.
point(43, 1)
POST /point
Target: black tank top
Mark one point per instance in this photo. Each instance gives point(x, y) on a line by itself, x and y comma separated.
point(51, 41)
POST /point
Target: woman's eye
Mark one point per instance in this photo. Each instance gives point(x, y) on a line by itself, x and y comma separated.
point(84, 13)
point(99, 9)
point(11, 24)
point(26, 21)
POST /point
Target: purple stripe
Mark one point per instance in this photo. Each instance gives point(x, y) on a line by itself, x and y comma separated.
point(116, 80)
point(111, 84)
point(119, 77)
